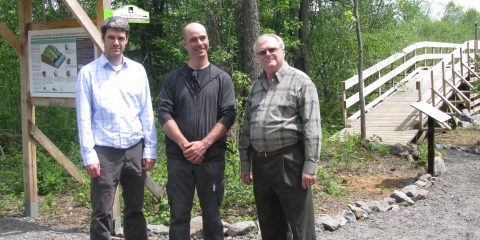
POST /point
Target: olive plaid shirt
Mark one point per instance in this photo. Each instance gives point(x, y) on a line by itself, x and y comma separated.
point(280, 115)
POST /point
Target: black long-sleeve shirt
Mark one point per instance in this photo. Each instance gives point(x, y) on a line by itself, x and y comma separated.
point(196, 110)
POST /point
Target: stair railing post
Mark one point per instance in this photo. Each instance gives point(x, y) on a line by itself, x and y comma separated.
point(453, 69)
point(475, 46)
point(344, 105)
point(425, 60)
point(443, 79)
point(432, 88)
point(420, 114)
point(461, 62)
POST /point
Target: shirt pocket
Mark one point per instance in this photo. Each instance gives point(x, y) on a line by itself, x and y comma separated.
point(287, 107)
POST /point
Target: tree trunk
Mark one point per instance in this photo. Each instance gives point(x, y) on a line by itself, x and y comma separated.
point(213, 25)
point(248, 29)
point(302, 62)
point(360, 73)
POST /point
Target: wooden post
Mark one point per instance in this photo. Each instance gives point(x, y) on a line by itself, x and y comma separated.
point(432, 88)
point(475, 46)
point(415, 54)
point(461, 62)
point(379, 88)
point(420, 114)
point(28, 115)
point(443, 79)
point(344, 105)
point(433, 60)
point(425, 52)
point(101, 6)
point(468, 57)
point(453, 69)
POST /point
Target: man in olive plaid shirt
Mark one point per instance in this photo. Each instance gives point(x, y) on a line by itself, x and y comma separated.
point(280, 142)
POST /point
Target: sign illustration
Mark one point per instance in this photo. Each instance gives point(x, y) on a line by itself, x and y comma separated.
point(56, 56)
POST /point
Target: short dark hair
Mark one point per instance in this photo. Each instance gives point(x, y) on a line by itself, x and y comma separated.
point(115, 22)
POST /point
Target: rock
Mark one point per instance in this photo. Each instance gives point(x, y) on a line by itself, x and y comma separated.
point(401, 197)
point(364, 206)
point(440, 167)
point(196, 227)
point(415, 193)
point(343, 221)
point(397, 149)
point(157, 229)
point(424, 176)
point(423, 183)
point(357, 211)
point(240, 228)
point(329, 223)
point(378, 206)
point(349, 216)
point(395, 208)
point(390, 201)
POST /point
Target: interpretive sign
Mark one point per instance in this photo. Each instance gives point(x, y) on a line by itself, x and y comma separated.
point(433, 114)
point(131, 13)
point(56, 56)
point(431, 111)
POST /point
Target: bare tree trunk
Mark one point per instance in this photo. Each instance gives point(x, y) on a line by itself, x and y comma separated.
point(248, 29)
point(43, 11)
point(360, 73)
point(303, 60)
point(213, 25)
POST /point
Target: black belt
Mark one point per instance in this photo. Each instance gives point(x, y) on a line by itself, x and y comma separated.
point(277, 152)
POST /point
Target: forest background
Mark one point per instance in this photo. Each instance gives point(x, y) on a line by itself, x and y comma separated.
point(320, 39)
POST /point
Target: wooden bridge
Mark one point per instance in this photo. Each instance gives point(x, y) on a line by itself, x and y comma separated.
point(442, 70)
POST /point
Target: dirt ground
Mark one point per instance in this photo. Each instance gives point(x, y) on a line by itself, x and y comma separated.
point(375, 180)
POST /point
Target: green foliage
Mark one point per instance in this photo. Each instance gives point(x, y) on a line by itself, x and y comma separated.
point(237, 195)
point(423, 155)
point(330, 182)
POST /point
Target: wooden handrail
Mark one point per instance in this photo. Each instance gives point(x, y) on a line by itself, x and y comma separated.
point(446, 61)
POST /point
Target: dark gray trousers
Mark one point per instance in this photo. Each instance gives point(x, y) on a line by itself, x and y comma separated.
point(208, 177)
point(122, 166)
point(281, 200)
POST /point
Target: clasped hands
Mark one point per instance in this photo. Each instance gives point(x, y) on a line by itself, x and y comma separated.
point(194, 151)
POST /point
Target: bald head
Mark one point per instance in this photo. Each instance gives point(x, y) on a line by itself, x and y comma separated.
point(192, 25)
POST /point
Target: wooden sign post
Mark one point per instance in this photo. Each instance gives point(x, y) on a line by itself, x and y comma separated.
point(433, 114)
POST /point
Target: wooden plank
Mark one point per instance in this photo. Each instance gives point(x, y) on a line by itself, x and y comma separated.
point(156, 190)
point(56, 24)
point(85, 21)
point(55, 152)
point(53, 102)
point(11, 39)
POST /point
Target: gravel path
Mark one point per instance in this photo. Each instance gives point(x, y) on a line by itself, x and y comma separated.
point(450, 212)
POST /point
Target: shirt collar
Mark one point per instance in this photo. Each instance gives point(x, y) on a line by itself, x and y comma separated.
point(280, 74)
point(104, 61)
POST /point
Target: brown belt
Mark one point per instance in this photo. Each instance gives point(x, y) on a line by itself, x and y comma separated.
point(277, 152)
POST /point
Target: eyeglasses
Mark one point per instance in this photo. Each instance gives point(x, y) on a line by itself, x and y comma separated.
point(264, 52)
point(196, 81)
